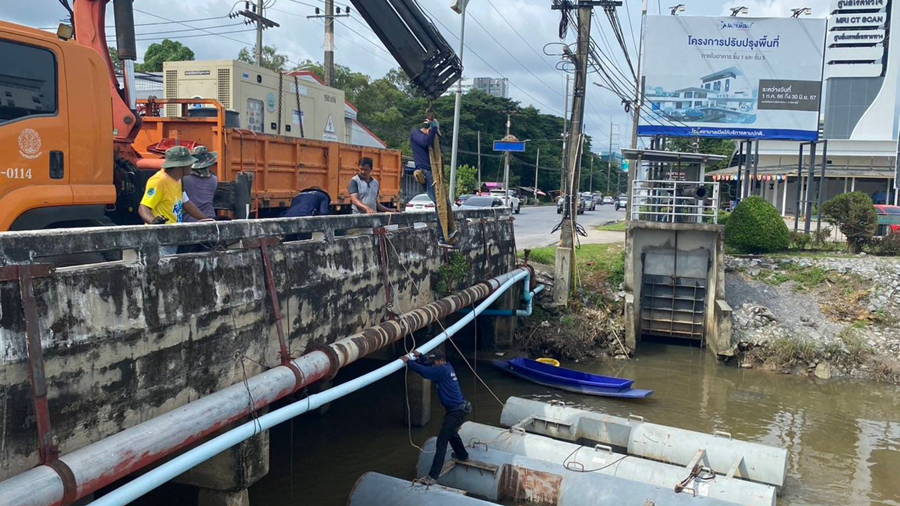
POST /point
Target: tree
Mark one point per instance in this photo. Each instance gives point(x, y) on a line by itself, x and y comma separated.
point(854, 214)
point(466, 180)
point(352, 83)
point(167, 50)
point(722, 147)
point(271, 58)
point(114, 58)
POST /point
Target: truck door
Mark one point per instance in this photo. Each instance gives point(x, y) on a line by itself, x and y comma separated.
point(34, 133)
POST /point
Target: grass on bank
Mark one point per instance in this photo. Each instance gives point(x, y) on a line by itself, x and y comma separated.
point(606, 261)
point(619, 226)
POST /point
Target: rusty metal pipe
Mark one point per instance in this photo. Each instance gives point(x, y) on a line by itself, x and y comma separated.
point(102, 463)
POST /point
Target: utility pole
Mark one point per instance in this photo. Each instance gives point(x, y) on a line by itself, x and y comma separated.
point(591, 184)
point(562, 172)
point(506, 166)
point(460, 7)
point(609, 158)
point(261, 24)
point(479, 161)
point(537, 164)
point(329, 36)
point(638, 81)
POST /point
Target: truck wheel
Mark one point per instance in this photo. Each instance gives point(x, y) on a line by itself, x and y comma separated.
point(518, 209)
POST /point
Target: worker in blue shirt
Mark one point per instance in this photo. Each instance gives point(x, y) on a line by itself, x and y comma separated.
point(436, 368)
point(310, 202)
point(420, 140)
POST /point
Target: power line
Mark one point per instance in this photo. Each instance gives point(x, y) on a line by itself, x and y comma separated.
point(179, 37)
point(533, 50)
point(153, 24)
point(113, 36)
point(189, 26)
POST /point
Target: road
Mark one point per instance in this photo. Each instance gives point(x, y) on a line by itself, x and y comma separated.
point(533, 224)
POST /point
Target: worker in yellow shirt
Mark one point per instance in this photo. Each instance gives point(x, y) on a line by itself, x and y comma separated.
point(164, 200)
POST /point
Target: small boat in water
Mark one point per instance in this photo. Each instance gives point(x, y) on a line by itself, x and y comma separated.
point(570, 380)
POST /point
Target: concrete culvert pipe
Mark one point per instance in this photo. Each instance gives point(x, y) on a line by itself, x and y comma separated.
point(752, 461)
point(373, 489)
point(604, 461)
point(500, 476)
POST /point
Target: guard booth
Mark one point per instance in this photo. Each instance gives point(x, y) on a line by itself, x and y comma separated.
point(674, 251)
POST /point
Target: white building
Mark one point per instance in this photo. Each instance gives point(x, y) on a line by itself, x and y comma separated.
point(490, 85)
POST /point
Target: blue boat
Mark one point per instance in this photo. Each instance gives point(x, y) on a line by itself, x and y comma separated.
point(571, 381)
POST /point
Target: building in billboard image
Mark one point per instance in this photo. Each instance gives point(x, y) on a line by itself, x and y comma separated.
point(725, 96)
point(860, 113)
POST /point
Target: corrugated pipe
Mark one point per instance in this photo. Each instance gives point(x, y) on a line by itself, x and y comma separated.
point(119, 455)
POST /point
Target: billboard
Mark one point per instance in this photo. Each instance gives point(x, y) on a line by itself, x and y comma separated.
point(728, 77)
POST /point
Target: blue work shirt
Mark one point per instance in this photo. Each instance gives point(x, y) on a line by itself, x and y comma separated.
point(420, 143)
point(308, 203)
point(445, 378)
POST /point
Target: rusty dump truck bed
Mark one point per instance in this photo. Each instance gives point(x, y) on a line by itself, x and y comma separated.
point(281, 166)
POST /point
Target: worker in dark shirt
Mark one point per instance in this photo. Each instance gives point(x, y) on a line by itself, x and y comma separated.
point(421, 140)
point(436, 368)
point(309, 202)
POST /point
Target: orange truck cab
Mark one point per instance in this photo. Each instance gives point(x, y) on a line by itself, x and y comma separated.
point(56, 132)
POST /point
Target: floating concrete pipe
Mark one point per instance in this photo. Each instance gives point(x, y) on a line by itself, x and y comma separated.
point(99, 464)
point(650, 472)
point(373, 489)
point(501, 476)
point(752, 461)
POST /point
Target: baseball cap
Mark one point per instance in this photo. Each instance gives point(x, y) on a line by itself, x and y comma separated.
point(434, 355)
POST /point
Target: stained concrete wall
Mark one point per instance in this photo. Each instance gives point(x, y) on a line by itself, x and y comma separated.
point(693, 243)
point(128, 340)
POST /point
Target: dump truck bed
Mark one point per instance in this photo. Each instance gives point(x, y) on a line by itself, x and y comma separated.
point(281, 166)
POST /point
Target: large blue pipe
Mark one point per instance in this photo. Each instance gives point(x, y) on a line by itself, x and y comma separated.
point(190, 459)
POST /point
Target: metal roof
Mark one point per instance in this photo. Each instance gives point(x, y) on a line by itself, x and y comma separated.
point(650, 155)
point(833, 171)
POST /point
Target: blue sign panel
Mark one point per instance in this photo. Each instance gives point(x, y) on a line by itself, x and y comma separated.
point(511, 146)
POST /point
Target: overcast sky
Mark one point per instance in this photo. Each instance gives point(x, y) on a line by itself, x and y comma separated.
point(503, 38)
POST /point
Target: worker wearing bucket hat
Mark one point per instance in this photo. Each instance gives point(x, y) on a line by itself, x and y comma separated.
point(200, 185)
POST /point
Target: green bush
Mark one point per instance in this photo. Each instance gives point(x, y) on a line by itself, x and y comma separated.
point(887, 246)
point(724, 216)
point(755, 226)
point(855, 216)
point(800, 240)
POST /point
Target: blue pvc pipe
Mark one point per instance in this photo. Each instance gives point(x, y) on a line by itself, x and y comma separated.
point(188, 460)
point(528, 296)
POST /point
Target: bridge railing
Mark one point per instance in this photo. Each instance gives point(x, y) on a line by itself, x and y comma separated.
point(675, 201)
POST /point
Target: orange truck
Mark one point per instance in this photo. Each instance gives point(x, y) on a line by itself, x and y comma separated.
point(74, 151)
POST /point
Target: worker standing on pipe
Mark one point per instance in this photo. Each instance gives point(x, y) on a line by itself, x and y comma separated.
point(436, 368)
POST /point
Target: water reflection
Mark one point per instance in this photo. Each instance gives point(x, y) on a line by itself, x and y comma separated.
point(843, 437)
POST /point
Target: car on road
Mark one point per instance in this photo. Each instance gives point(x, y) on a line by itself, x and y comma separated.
point(608, 200)
point(561, 200)
point(589, 202)
point(515, 205)
point(622, 202)
point(486, 202)
point(463, 198)
point(420, 203)
point(598, 199)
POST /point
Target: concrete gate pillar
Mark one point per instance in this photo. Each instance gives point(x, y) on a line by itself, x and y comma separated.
point(224, 479)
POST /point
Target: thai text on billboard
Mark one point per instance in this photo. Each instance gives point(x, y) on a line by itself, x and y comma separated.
point(726, 77)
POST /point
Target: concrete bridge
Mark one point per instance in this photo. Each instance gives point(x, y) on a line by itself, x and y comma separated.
point(128, 339)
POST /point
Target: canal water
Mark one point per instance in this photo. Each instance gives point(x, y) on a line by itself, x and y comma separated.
point(843, 437)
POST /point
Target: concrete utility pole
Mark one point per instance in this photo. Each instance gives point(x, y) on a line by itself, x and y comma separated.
point(537, 164)
point(460, 7)
point(609, 158)
point(329, 42)
point(479, 162)
point(259, 30)
point(562, 282)
point(591, 184)
point(638, 82)
point(562, 172)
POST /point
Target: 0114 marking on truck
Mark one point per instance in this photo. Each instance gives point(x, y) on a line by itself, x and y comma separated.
point(16, 173)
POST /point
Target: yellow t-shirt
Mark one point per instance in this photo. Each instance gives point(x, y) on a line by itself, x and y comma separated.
point(165, 197)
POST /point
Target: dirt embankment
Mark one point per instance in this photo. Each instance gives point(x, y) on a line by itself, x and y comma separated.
point(826, 317)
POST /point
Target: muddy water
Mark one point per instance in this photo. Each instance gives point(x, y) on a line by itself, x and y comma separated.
point(843, 437)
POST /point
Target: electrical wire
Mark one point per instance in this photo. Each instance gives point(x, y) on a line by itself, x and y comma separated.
point(189, 26)
point(113, 36)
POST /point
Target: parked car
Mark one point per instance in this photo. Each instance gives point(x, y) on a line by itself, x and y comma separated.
point(622, 203)
point(561, 200)
point(419, 203)
point(589, 203)
point(463, 198)
point(515, 205)
point(888, 219)
point(475, 202)
point(609, 200)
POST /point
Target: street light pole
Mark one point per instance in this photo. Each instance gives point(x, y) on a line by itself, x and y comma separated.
point(506, 167)
point(460, 8)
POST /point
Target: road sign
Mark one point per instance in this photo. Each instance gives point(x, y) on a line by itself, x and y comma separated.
point(510, 146)
point(625, 165)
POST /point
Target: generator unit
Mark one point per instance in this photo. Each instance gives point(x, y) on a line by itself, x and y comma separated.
point(254, 93)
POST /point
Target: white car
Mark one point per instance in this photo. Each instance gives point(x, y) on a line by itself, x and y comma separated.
point(515, 205)
point(420, 203)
